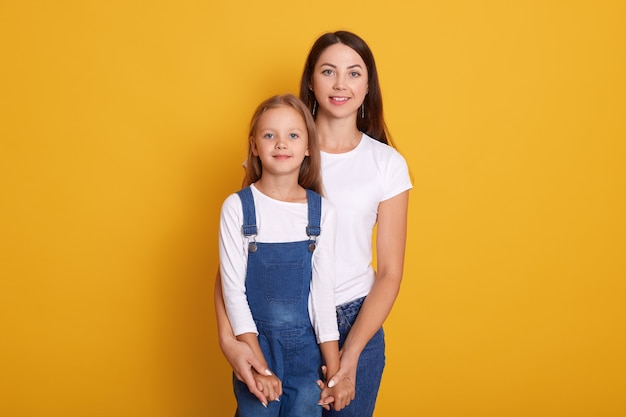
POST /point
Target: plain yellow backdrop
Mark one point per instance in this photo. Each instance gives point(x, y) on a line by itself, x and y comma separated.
point(123, 127)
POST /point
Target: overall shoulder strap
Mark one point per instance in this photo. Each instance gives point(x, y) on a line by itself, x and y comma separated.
point(314, 201)
point(249, 214)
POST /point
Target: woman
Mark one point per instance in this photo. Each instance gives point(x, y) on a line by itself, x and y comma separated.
point(367, 181)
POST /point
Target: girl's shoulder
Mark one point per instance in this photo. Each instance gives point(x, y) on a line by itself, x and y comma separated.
point(232, 202)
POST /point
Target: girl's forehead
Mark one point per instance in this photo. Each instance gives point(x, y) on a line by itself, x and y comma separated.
point(282, 115)
point(281, 110)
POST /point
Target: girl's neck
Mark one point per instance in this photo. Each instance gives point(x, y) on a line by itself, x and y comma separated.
point(282, 189)
point(337, 135)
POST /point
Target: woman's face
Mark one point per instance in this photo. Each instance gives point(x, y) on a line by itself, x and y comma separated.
point(339, 82)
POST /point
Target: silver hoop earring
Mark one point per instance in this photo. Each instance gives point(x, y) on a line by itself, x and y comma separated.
point(363, 111)
point(314, 107)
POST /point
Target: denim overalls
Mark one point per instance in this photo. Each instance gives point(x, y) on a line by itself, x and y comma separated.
point(277, 287)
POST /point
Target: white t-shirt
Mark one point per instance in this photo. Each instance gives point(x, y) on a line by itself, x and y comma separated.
point(277, 221)
point(356, 182)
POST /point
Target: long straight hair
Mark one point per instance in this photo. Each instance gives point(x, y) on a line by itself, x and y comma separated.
point(310, 175)
point(373, 124)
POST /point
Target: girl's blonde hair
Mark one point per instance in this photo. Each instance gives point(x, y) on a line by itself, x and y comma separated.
point(310, 171)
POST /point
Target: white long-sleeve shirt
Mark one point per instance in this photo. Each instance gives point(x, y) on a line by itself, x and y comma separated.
point(277, 221)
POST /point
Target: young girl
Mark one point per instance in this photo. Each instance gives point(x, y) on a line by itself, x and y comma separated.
point(367, 181)
point(277, 249)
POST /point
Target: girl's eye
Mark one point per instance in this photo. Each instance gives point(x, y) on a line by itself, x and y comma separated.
point(268, 136)
point(293, 136)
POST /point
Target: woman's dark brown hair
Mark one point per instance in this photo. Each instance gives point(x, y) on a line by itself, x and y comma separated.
point(373, 124)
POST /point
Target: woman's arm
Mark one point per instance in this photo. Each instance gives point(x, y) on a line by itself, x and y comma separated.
point(390, 247)
point(238, 354)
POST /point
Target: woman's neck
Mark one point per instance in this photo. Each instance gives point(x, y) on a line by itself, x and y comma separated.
point(337, 135)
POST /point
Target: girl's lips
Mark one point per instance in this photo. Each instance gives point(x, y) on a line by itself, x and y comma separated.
point(281, 157)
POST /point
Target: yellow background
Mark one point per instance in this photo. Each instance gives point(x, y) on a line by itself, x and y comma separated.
point(123, 127)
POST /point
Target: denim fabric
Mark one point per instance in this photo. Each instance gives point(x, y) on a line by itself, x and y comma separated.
point(294, 356)
point(370, 367)
point(277, 287)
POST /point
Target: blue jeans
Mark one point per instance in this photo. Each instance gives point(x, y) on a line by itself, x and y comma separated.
point(370, 368)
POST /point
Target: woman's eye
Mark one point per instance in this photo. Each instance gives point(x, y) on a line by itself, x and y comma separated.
point(327, 72)
point(355, 74)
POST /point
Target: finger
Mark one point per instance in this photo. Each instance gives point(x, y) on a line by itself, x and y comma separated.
point(340, 405)
point(326, 405)
point(274, 387)
point(279, 387)
point(256, 388)
point(258, 366)
point(269, 391)
point(335, 379)
point(326, 400)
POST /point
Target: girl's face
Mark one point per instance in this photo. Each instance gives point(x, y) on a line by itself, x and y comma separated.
point(280, 141)
point(339, 81)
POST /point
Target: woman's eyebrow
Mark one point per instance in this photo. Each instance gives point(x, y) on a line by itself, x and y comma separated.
point(335, 66)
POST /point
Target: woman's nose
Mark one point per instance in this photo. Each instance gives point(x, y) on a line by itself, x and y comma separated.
point(339, 83)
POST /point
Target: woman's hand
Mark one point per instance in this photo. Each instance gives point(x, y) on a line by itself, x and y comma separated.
point(243, 361)
point(238, 354)
point(340, 395)
point(342, 385)
point(347, 370)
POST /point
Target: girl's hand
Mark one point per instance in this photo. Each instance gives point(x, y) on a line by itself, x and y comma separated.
point(269, 385)
point(325, 402)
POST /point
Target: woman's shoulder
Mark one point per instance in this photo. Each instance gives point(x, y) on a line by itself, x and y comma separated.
point(327, 204)
point(381, 149)
point(329, 213)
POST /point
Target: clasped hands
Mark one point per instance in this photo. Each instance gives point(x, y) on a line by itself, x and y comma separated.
point(337, 395)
